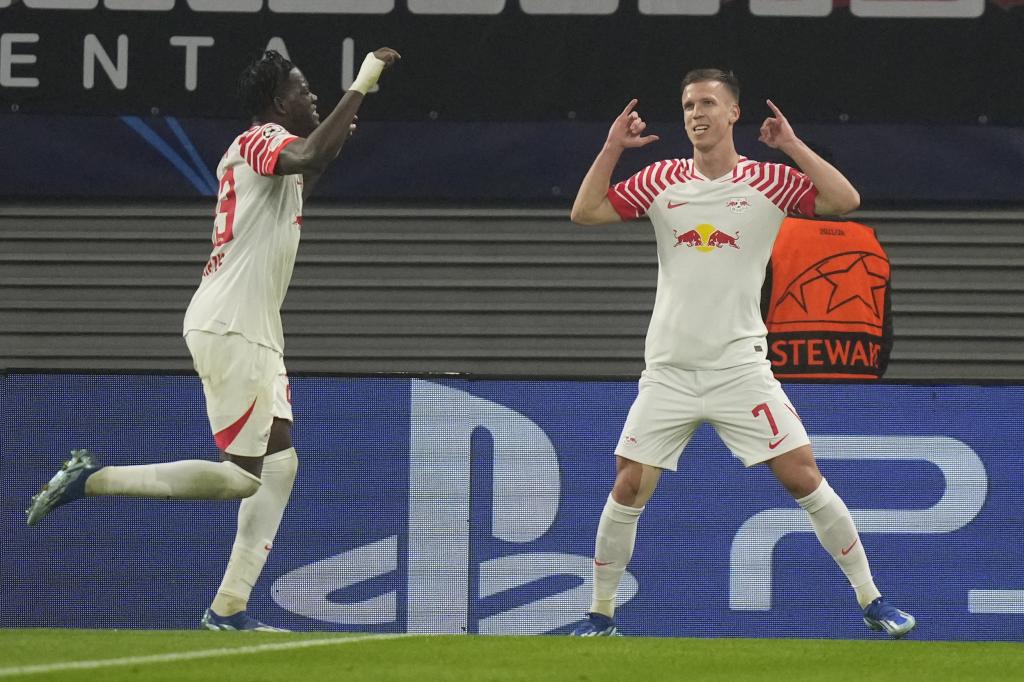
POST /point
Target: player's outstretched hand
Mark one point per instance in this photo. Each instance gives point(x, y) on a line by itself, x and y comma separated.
point(776, 131)
point(387, 55)
point(627, 129)
point(373, 65)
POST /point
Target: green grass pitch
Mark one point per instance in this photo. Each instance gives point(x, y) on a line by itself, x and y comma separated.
point(69, 655)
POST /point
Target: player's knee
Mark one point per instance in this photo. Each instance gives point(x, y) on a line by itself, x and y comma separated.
point(634, 482)
point(797, 471)
point(625, 491)
point(281, 466)
point(249, 489)
point(238, 483)
point(628, 486)
point(286, 460)
point(801, 481)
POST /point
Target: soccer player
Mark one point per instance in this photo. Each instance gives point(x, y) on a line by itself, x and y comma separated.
point(233, 326)
point(715, 217)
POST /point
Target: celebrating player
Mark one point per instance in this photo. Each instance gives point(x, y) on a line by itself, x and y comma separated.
point(715, 217)
point(233, 326)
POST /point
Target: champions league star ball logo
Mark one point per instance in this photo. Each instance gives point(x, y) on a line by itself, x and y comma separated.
point(854, 281)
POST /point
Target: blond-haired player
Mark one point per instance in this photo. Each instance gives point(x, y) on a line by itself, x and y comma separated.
point(715, 218)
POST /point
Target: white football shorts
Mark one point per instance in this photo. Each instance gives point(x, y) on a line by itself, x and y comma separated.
point(246, 387)
point(745, 404)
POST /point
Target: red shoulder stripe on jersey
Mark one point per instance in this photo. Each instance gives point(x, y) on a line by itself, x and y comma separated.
point(640, 185)
point(785, 195)
point(789, 189)
point(670, 174)
point(263, 157)
point(629, 189)
point(757, 176)
point(634, 195)
point(261, 152)
point(804, 203)
point(741, 169)
point(766, 179)
point(687, 171)
point(255, 152)
point(636, 192)
point(793, 186)
point(255, 143)
point(622, 206)
point(800, 183)
point(649, 181)
point(779, 188)
point(661, 177)
point(245, 138)
point(272, 159)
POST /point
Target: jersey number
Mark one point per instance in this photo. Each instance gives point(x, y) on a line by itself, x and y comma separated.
point(763, 408)
point(224, 221)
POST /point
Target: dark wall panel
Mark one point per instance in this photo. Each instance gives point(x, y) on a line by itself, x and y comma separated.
point(511, 293)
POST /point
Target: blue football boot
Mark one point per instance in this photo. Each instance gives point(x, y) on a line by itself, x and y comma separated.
point(878, 615)
point(240, 621)
point(67, 485)
point(597, 625)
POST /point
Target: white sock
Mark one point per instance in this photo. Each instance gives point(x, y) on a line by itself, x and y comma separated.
point(616, 535)
point(258, 519)
point(189, 479)
point(838, 535)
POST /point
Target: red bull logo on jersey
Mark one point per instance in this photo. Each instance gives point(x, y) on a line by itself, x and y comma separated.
point(738, 205)
point(706, 238)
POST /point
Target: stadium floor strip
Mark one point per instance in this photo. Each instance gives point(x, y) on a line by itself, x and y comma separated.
point(185, 656)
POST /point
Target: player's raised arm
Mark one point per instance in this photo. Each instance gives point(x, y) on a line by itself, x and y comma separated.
point(592, 206)
point(310, 156)
point(836, 195)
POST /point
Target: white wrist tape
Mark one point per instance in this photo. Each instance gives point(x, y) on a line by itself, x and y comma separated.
point(369, 72)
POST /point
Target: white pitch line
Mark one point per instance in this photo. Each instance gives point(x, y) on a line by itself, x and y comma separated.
point(185, 656)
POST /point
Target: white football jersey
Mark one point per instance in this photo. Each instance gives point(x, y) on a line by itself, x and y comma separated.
point(715, 238)
point(255, 237)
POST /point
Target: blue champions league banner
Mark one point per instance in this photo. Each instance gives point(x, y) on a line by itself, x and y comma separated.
point(508, 101)
point(470, 506)
point(162, 157)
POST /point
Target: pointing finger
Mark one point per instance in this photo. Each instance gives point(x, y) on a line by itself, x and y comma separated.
point(629, 107)
point(775, 109)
